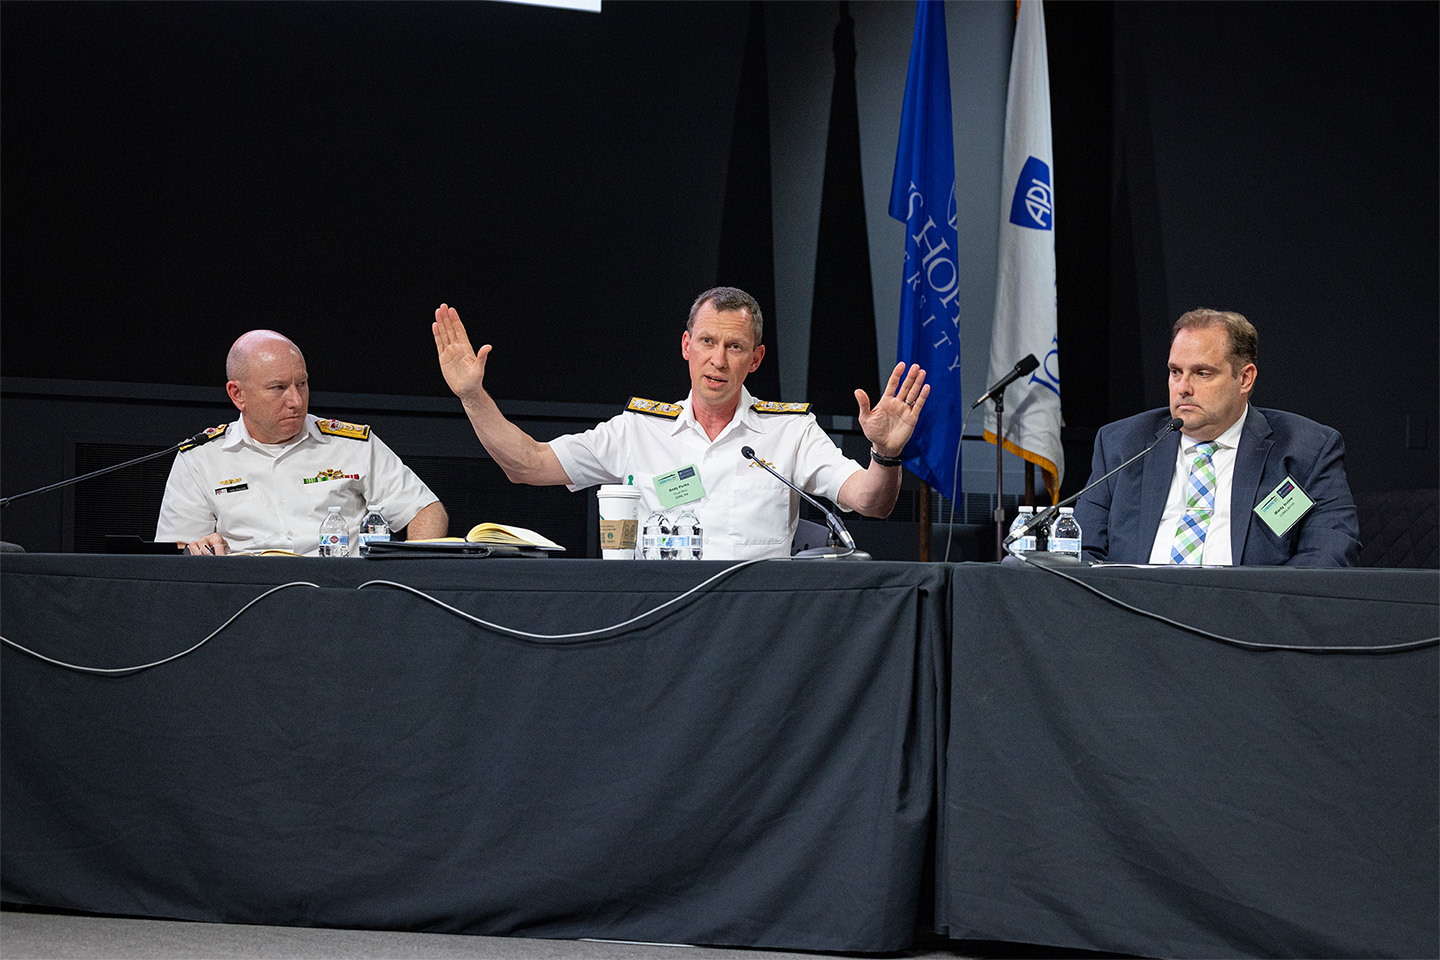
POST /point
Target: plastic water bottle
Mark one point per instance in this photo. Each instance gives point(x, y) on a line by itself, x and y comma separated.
point(689, 537)
point(334, 535)
point(1043, 532)
point(654, 537)
point(1066, 537)
point(668, 548)
point(1026, 543)
point(373, 527)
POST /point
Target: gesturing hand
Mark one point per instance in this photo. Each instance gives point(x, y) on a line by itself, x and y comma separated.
point(889, 425)
point(464, 370)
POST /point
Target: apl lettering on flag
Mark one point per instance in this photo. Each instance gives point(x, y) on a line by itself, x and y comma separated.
point(922, 195)
point(1025, 276)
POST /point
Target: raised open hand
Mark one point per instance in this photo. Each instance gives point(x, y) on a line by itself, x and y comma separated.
point(889, 425)
point(464, 368)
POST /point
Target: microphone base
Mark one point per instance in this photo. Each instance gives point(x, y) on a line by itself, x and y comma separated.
point(831, 553)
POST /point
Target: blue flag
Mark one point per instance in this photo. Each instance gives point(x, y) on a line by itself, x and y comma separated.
point(922, 196)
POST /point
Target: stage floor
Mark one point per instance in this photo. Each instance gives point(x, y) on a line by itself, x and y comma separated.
point(26, 935)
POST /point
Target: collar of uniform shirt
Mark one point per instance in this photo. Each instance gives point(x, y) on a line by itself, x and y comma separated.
point(241, 435)
point(745, 416)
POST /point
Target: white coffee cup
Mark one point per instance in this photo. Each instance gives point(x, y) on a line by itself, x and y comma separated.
point(619, 520)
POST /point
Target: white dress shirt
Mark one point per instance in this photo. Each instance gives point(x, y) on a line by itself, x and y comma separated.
point(746, 513)
point(1217, 536)
point(272, 496)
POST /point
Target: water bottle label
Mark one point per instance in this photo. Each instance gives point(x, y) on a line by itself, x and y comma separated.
point(1065, 545)
point(371, 537)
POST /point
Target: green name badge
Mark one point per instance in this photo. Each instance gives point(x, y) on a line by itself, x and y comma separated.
point(1284, 507)
point(679, 486)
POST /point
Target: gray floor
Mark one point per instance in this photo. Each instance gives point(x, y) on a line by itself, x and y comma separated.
point(56, 936)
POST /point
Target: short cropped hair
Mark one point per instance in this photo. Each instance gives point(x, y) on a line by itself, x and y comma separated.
point(730, 298)
point(1244, 341)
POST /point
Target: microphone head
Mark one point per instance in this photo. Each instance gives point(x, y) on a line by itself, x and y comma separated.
point(748, 453)
point(204, 436)
point(1175, 424)
point(1027, 364)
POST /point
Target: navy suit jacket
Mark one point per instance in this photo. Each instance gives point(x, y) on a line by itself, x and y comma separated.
point(1118, 519)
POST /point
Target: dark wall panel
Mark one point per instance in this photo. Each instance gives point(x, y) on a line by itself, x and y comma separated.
point(175, 173)
point(1293, 177)
point(178, 173)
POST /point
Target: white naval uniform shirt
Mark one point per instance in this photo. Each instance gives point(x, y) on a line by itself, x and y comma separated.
point(1217, 550)
point(255, 495)
point(746, 513)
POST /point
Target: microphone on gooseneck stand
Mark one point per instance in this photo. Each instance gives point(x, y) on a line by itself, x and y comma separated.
point(1027, 364)
point(1042, 518)
point(849, 552)
point(204, 436)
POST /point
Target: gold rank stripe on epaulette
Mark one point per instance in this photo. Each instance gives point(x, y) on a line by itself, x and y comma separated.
point(339, 428)
point(653, 408)
point(774, 406)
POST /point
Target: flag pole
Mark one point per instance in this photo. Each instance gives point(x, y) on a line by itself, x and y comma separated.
point(924, 521)
point(999, 476)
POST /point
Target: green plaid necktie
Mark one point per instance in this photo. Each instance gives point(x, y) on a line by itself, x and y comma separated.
point(1189, 545)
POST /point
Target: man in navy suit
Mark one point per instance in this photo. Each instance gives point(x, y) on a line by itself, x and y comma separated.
point(1193, 498)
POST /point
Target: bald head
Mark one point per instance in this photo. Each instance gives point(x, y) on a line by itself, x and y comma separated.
point(257, 346)
point(269, 385)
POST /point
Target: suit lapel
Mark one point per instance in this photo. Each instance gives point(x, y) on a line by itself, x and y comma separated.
point(1250, 457)
point(1155, 485)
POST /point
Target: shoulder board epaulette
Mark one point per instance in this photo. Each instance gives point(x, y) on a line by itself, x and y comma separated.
point(653, 408)
point(774, 406)
point(339, 428)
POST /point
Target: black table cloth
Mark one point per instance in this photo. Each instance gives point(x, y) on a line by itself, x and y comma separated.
point(754, 767)
point(1117, 784)
point(787, 759)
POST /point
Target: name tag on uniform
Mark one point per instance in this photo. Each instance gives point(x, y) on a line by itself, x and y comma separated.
point(679, 486)
point(1284, 507)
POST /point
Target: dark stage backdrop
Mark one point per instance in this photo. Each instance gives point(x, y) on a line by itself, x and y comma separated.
point(1279, 159)
point(177, 173)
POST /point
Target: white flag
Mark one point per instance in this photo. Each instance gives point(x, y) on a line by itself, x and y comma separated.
point(1025, 278)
